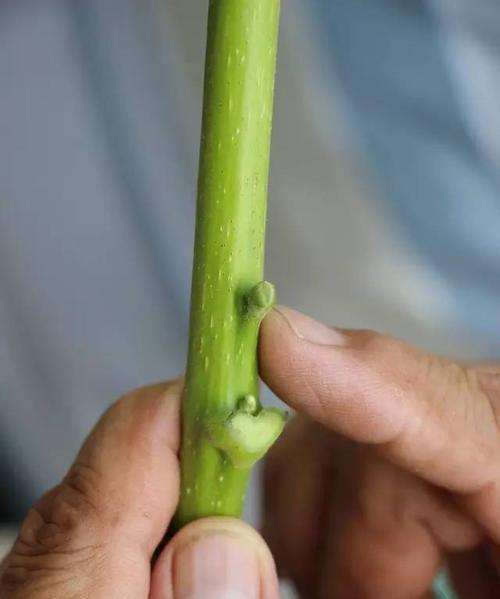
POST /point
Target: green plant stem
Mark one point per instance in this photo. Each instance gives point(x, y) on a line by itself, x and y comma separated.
point(225, 429)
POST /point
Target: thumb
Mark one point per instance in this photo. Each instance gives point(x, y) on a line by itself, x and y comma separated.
point(95, 533)
point(215, 558)
point(434, 417)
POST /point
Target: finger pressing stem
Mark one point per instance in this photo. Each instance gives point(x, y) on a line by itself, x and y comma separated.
point(431, 416)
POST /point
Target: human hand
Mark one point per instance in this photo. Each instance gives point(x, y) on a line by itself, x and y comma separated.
point(95, 534)
point(392, 467)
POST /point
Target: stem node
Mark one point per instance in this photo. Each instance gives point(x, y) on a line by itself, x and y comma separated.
point(260, 301)
point(245, 438)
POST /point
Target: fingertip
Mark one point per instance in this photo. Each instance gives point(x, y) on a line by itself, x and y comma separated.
point(285, 329)
point(308, 329)
point(215, 557)
point(283, 354)
point(152, 411)
point(330, 375)
point(297, 362)
point(225, 526)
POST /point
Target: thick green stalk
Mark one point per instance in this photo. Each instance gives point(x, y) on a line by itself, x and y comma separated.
point(225, 429)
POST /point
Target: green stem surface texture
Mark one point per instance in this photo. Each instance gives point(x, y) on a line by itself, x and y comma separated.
point(225, 430)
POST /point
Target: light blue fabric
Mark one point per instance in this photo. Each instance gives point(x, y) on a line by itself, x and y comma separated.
point(432, 179)
point(97, 191)
point(442, 588)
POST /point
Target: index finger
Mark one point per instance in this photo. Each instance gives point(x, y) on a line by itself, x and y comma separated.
point(433, 417)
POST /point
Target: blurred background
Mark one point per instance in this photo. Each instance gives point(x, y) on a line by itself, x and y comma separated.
point(384, 195)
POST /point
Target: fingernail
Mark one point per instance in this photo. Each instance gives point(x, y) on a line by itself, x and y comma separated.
point(217, 566)
point(309, 329)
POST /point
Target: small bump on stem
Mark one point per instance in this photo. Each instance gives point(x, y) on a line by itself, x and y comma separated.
point(260, 300)
point(249, 404)
point(245, 438)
